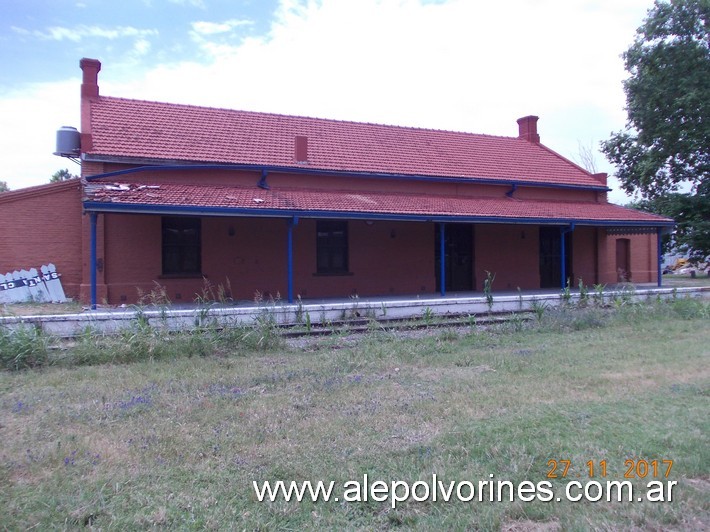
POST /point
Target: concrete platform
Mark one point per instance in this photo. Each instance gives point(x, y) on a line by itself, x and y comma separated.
point(322, 312)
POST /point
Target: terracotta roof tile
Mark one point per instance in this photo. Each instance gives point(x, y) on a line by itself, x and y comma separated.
point(171, 132)
point(293, 201)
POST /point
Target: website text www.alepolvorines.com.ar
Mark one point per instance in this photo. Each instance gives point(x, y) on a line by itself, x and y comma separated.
point(437, 490)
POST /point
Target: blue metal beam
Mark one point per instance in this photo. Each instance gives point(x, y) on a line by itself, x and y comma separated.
point(442, 258)
point(92, 259)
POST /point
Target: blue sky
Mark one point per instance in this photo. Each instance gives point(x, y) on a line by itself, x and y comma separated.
point(464, 65)
point(42, 39)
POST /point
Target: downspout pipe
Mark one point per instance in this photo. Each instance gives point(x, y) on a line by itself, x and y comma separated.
point(513, 188)
point(659, 251)
point(563, 254)
point(442, 258)
point(262, 181)
point(92, 258)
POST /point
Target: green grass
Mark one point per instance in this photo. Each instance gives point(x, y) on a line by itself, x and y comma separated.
point(161, 438)
point(685, 280)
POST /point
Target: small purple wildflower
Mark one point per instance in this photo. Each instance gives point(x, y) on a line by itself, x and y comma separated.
point(134, 401)
point(19, 406)
point(69, 460)
point(223, 390)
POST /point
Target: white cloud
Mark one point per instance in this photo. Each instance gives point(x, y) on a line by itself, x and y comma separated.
point(460, 65)
point(77, 33)
point(215, 39)
point(141, 47)
point(194, 3)
point(28, 139)
point(213, 28)
point(20, 31)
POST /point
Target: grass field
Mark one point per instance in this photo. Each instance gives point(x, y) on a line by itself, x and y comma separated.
point(685, 280)
point(165, 439)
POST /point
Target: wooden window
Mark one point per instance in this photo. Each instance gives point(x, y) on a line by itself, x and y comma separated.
point(182, 247)
point(332, 247)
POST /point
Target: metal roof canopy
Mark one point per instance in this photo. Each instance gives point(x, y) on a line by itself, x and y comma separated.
point(189, 210)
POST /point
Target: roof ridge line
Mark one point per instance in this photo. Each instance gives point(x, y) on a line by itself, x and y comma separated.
point(565, 159)
point(38, 190)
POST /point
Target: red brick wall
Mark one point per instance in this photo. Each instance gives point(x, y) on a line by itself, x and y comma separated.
point(643, 258)
point(511, 253)
point(249, 255)
point(385, 258)
point(41, 225)
point(584, 256)
point(399, 257)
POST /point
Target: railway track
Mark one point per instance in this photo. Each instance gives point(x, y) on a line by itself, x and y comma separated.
point(363, 325)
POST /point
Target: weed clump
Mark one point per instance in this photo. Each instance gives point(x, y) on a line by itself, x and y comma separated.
point(151, 338)
point(22, 348)
point(573, 319)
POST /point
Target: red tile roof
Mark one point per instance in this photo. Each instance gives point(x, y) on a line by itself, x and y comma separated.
point(299, 201)
point(171, 132)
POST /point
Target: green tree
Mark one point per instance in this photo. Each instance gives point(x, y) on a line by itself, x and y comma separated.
point(4, 187)
point(665, 147)
point(692, 215)
point(62, 175)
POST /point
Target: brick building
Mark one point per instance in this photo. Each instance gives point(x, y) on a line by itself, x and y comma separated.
point(43, 225)
point(267, 203)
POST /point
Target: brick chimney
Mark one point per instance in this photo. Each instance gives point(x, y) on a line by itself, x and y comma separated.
point(90, 81)
point(89, 92)
point(301, 149)
point(527, 129)
point(602, 177)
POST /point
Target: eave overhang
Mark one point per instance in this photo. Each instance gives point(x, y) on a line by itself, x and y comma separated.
point(158, 165)
point(178, 210)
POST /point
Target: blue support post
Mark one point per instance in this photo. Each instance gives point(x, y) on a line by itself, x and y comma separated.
point(291, 223)
point(92, 267)
point(442, 258)
point(659, 248)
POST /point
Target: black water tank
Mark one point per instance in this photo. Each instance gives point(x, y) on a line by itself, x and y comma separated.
point(68, 142)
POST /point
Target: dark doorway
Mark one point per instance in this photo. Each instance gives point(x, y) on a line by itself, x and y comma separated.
point(458, 253)
point(623, 260)
point(551, 255)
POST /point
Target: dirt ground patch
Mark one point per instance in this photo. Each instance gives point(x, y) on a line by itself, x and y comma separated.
point(39, 309)
point(527, 525)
